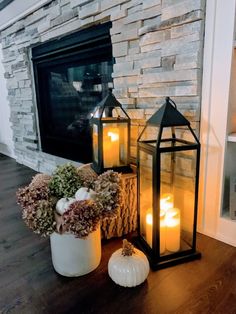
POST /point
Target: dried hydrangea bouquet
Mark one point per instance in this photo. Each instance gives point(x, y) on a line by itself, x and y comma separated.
point(68, 206)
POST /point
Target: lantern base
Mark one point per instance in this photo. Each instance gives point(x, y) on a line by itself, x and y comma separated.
point(175, 259)
point(155, 265)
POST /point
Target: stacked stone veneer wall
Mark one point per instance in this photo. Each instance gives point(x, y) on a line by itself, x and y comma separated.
point(157, 45)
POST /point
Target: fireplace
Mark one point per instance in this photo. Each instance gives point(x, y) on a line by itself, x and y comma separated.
point(72, 74)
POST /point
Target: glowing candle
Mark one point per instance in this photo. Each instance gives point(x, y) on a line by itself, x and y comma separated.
point(111, 151)
point(162, 230)
point(172, 221)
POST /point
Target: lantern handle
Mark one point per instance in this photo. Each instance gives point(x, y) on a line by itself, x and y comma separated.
point(168, 99)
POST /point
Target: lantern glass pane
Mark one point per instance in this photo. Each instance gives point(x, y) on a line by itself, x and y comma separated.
point(145, 196)
point(115, 144)
point(95, 143)
point(176, 136)
point(150, 133)
point(97, 112)
point(178, 177)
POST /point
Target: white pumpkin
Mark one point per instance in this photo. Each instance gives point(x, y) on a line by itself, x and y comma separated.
point(84, 194)
point(128, 266)
point(63, 204)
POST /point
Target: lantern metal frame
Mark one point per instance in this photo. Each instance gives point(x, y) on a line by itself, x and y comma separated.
point(105, 107)
point(166, 116)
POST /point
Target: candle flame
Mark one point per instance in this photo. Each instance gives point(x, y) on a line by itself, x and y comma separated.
point(172, 217)
point(114, 136)
point(166, 202)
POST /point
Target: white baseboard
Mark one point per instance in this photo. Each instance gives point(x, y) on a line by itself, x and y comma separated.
point(219, 237)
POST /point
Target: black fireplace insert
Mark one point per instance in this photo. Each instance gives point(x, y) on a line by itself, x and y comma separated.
point(72, 74)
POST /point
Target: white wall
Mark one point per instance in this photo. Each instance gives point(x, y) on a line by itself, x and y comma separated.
point(218, 51)
point(6, 142)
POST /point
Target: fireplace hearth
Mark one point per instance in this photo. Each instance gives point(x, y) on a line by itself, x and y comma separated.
point(72, 74)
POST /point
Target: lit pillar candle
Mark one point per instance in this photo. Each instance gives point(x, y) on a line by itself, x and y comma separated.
point(111, 142)
point(172, 221)
point(162, 230)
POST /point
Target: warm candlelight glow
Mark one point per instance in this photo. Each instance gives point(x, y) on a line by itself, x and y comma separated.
point(162, 230)
point(111, 149)
point(114, 136)
point(149, 227)
point(149, 219)
point(169, 225)
point(172, 220)
point(166, 201)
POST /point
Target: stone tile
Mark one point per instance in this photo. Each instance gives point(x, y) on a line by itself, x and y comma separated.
point(120, 49)
point(89, 9)
point(125, 35)
point(150, 3)
point(152, 37)
point(151, 12)
point(118, 14)
point(180, 9)
point(106, 4)
point(171, 76)
point(67, 27)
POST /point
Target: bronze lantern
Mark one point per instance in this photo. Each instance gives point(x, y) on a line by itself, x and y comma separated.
point(111, 136)
point(168, 174)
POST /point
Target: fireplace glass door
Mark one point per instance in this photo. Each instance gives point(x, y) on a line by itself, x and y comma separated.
point(70, 81)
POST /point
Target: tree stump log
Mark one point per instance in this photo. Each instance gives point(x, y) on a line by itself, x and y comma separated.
point(126, 219)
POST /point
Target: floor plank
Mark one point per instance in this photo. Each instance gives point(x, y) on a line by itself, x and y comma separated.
point(28, 283)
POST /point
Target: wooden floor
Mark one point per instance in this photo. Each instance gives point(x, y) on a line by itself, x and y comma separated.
point(28, 283)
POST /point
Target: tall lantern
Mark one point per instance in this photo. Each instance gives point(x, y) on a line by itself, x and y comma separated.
point(168, 171)
point(111, 136)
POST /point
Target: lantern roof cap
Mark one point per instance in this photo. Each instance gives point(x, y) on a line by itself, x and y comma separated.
point(109, 101)
point(105, 108)
point(168, 115)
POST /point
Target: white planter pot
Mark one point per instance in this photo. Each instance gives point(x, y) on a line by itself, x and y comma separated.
point(72, 257)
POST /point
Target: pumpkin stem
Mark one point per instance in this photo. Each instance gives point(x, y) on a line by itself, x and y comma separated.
point(128, 248)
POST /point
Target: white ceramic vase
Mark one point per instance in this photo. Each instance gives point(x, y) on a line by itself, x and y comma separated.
point(72, 257)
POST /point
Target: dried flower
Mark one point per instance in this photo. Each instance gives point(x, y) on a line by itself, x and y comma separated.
point(40, 179)
point(108, 189)
point(40, 217)
point(65, 181)
point(82, 218)
point(38, 200)
point(88, 177)
point(35, 191)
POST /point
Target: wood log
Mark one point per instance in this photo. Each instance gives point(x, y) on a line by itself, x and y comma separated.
point(126, 219)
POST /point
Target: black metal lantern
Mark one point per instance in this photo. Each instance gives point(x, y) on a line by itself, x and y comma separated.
point(168, 172)
point(111, 136)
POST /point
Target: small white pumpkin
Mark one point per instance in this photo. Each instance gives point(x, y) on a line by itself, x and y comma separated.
point(84, 194)
point(128, 267)
point(63, 204)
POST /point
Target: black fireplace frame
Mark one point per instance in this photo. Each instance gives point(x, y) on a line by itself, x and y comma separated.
point(85, 45)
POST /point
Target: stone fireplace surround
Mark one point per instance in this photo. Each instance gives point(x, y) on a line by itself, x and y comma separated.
point(157, 46)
